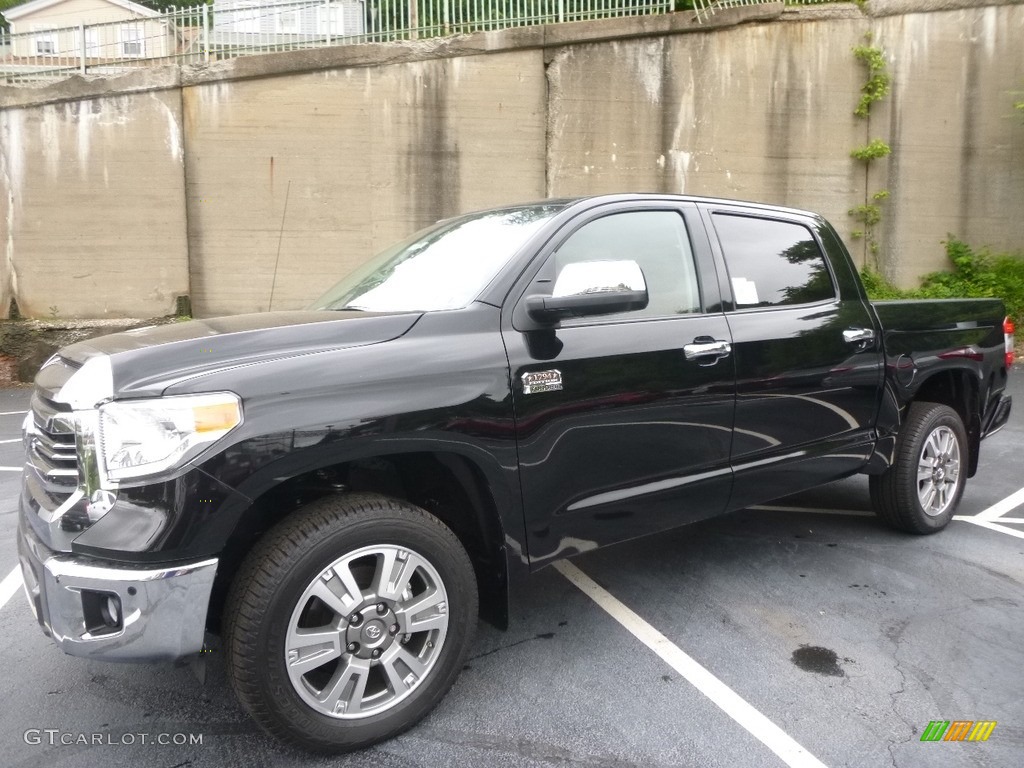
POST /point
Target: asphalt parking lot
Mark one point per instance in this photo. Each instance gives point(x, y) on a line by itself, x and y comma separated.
point(801, 633)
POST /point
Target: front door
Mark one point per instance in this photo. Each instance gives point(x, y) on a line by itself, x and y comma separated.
point(619, 433)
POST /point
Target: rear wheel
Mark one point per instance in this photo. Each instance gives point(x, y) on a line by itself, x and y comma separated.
point(920, 492)
point(349, 622)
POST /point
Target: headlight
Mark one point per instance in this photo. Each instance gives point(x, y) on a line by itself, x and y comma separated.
point(144, 437)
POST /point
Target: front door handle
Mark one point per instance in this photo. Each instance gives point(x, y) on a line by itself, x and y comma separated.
point(706, 347)
point(861, 336)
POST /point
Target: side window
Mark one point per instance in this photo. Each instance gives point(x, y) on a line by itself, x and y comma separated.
point(657, 241)
point(772, 263)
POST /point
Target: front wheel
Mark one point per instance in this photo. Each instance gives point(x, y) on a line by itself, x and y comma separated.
point(349, 622)
point(920, 492)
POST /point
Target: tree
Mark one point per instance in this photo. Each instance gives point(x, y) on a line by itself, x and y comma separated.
point(165, 5)
point(4, 5)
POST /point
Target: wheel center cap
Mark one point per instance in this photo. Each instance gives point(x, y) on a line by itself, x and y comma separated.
point(374, 633)
point(371, 631)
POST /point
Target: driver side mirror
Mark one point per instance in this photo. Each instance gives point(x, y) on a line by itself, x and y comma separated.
point(588, 288)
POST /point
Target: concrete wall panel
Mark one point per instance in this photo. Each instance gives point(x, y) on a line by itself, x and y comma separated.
point(958, 144)
point(314, 173)
point(760, 112)
point(118, 195)
point(94, 222)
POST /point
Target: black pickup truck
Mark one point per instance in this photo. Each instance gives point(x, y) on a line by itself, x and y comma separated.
point(337, 492)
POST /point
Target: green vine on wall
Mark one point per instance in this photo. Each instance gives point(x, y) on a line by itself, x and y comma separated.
point(875, 88)
point(878, 83)
point(873, 151)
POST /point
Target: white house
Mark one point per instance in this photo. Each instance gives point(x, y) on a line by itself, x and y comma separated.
point(114, 29)
point(270, 22)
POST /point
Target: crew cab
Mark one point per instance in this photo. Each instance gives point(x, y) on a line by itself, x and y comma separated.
point(339, 492)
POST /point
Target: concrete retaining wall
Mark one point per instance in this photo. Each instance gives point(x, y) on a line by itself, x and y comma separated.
point(92, 196)
point(118, 195)
point(760, 112)
point(958, 143)
point(315, 172)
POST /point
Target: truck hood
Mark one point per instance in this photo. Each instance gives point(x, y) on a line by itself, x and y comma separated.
point(145, 361)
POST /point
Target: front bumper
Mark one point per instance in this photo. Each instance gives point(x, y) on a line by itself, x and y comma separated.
point(161, 612)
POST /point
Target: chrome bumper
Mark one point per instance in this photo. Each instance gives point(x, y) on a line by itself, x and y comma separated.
point(161, 612)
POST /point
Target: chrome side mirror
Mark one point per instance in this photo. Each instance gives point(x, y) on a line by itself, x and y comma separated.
point(591, 288)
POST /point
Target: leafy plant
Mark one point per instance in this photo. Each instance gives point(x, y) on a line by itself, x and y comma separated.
point(976, 274)
point(876, 149)
point(879, 288)
point(875, 88)
point(869, 215)
point(878, 83)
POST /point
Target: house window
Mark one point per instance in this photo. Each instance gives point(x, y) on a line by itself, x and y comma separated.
point(133, 42)
point(46, 41)
point(92, 42)
point(289, 21)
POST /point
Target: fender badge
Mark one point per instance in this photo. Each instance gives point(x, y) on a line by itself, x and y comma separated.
point(542, 381)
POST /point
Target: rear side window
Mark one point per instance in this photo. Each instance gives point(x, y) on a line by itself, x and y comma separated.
point(772, 263)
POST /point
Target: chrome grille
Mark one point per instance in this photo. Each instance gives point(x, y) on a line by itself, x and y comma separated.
point(50, 447)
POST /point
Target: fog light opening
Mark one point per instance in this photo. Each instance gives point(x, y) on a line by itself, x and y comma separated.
point(112, 611)
point(102, 612)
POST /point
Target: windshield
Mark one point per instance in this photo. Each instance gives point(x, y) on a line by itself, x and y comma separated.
point(444, 266)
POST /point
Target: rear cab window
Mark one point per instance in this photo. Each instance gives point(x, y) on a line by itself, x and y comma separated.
point(772, 263)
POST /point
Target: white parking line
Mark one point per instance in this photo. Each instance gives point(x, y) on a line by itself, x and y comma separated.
point(10, 585)
point(15, 440)
point(10, 469)
point(12, 413)
point(996, 527)
point(759, 726)
point(999, 509)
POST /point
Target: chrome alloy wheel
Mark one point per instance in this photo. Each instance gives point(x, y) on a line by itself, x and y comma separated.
point(938, 471)
point(366, 632)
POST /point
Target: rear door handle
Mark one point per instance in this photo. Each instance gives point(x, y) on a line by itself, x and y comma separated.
point(706, 347)
point(860, 336)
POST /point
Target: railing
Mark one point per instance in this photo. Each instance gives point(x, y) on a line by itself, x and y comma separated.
point(230, 28)
point(705, 9)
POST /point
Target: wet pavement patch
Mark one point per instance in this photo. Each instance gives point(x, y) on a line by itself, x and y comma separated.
point(821, 661)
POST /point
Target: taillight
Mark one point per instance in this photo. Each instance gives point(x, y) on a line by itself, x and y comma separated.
point(1008, 340)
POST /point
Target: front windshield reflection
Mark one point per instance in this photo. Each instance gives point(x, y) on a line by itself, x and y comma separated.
point(445, 266)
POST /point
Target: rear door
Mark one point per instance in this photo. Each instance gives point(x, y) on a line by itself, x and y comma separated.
point(619, 433)
point(807, 352)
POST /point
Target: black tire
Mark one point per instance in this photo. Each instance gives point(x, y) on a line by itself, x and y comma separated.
point(898, 496)
point(263, 614)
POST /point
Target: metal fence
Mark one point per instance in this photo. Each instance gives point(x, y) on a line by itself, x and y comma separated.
point(230, 28)
point(705, 9)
